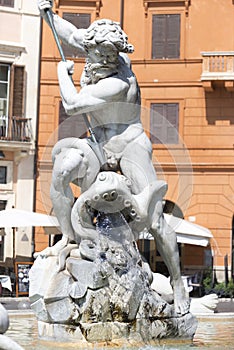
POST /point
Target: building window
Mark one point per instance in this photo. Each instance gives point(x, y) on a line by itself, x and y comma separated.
point(2, 231)
point(7, 3)
point(6, 175)
point(71, 126)
point(15, 75)
point(164, 123)
point(4, 88)
point(79, 20)
point(3, 174)
point(166, 36)
point(12, 93)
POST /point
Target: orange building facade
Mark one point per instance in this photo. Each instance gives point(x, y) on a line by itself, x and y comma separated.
point(184, 63)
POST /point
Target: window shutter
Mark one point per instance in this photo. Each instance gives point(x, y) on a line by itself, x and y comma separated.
point(173, 36)
point(18, 91)
point(71, 126)
point(172, 114)
point(79, 20)
point(159, 36)
point(7, 3)
point(166, 36)
point(156, 122)
point(164, 123)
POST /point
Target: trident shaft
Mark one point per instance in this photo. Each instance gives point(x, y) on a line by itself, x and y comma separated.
point(96, 146)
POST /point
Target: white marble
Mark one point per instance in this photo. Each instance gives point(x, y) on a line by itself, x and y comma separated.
point(98, 262)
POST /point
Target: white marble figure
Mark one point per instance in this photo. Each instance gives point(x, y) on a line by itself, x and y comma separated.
point(6, 343)
point(206, 304)
point(110, 95)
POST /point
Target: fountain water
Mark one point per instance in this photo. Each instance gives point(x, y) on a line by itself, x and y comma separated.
point(212, 333)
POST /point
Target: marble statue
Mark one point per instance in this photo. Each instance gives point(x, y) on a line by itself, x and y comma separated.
point(203, 305)
point(6, 343)
point(101, 276)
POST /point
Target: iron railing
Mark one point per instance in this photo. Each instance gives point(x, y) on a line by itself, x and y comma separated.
point(15, 129)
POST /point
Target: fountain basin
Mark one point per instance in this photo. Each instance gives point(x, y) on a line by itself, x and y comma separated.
point(214, 331)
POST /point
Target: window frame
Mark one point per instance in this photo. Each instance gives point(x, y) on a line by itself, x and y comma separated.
point(90, 10)
point(8, 88)
point(62, 117)
point(167, 39)
point(78, 9)
point(9, 178)
point(64, 46)
point(16, 91)
point(149, 31)
point(181, 104)
point(7, 6)
point(164, 126)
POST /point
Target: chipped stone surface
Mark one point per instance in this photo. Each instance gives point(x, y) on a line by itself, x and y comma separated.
point(40, 310)
point(62, 311)
point(123, 306)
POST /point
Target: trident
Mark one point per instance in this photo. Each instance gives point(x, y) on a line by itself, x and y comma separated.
point(96, 146)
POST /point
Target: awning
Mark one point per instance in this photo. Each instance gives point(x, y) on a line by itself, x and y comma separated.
point(186, 232)
point(23, 218)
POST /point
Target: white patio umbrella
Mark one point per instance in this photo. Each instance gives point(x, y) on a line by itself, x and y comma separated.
point(12, 218)
point(23, 218)
point(186, 232)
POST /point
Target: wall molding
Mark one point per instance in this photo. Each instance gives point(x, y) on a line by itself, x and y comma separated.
point(95, 3)
point(157, 3)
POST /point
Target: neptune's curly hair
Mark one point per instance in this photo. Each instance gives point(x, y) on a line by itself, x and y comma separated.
point(109, 33)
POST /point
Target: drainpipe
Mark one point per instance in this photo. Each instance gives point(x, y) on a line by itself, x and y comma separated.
point(121, 13)
point(36, 135)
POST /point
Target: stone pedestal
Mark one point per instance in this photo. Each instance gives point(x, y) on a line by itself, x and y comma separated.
point(108, 300)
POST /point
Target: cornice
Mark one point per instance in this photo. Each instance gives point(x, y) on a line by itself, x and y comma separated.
point(45, 165)
point(55, 82)
point(96, 3)
point(147, 3)
point(134, 61)
point(11, 50)
point(167, 61)
point(175, 83)
point(58, 59)
point(197, 167)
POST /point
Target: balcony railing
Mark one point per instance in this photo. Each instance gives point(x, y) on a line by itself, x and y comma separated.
point(218, 66)
point(15, 129)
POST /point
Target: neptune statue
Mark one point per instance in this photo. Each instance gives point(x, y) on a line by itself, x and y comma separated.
point(94, 279)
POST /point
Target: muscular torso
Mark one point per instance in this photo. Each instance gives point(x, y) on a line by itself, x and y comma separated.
point(119, 110)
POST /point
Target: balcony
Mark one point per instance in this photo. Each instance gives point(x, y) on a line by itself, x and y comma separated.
point(15, 129)
point(218, 66)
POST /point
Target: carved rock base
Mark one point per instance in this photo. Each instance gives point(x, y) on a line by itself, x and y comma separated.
point(108, 300)
point(119, 333)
